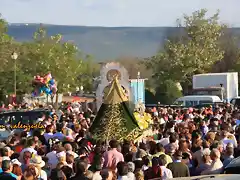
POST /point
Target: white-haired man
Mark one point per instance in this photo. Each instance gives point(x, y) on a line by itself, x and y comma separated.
point(216, 165)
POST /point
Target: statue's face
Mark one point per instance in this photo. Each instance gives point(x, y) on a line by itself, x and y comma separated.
point(112, 73)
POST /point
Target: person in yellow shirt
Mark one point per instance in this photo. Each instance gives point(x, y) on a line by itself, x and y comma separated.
point(159, 150)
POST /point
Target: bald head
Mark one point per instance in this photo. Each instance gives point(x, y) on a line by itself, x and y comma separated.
point(68, 147)
point(215, 154)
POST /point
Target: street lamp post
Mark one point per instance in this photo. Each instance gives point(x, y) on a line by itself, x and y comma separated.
point(14, 56)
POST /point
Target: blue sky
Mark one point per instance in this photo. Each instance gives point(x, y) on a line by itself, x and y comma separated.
point(114, 12)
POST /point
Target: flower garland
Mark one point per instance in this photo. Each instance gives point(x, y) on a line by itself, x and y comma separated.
point(143, 120)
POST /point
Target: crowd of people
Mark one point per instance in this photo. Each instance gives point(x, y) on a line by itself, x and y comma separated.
point(185, 142)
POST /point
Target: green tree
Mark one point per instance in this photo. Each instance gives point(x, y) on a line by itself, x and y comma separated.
point(88, 72)
point(49, 54)
point(7, 46)
point(194, 52)
point(229, 43)
point(44, 54)
point(6, 43)
point(167, 92)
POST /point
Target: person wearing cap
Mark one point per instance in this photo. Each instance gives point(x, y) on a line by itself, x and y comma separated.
point(16, 161)
point(17, 168)
point(39, 164)
point(178, 168)
point(6, 171)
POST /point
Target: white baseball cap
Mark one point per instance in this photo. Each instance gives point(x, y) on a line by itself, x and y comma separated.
point(16, 161)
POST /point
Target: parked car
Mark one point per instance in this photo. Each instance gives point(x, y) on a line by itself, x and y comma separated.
point(13, 117)
point(235, 102)
point(25, 117)
point(192, 100)
point(233, 167)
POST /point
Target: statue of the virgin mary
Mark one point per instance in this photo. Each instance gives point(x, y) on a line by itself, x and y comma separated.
point(110, 76)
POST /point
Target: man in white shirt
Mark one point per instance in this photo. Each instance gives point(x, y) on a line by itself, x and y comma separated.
point(166, 173)
point(52, 157)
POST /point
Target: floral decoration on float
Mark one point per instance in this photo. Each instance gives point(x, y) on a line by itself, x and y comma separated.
point(143, 119)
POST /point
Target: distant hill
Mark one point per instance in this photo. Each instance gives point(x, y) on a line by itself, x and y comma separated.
point(105, 43)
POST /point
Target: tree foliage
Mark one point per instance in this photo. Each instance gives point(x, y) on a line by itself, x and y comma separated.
point(6, 48)
point(38, 57)
point(167, 92)
point(203, 45)
point(195, 52)
point(229, 43)
point(49, 54)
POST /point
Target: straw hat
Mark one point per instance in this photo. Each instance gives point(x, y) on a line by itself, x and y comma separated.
point(37, 161)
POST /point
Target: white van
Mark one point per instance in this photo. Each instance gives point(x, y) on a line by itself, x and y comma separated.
point(190, 101)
